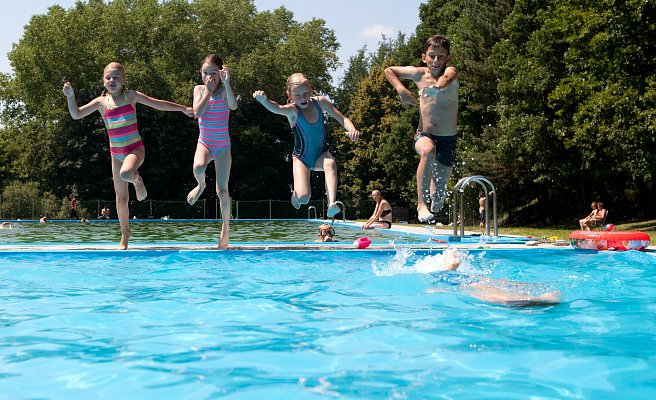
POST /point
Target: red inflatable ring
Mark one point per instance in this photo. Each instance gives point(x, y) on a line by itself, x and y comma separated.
point(595, 240)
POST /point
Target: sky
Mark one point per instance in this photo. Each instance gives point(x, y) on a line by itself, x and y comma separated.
point(356, 22)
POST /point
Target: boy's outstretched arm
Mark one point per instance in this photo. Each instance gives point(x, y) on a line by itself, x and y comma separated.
point(394, 76)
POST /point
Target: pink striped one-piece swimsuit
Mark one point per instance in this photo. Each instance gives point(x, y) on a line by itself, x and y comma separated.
point(122, 129)
point(213, 125)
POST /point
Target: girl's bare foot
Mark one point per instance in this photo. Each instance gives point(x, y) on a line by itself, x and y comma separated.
point(125, 237)
point(295, 203)
point(225, 237)
point(333, 210)
point(140, 188)
point(195, 193)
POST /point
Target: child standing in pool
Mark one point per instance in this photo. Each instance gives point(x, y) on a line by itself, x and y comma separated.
point(305, 114)
point(117, 105)
point(212, 104)
point(435, 139)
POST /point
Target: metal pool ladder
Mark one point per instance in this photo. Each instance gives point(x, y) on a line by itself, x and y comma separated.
point(459, 190)
point(315, 212)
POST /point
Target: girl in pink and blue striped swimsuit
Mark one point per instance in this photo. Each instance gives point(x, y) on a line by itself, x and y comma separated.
point(213, 101)
point(117, 107)
point(213, 125)
point(122, 129)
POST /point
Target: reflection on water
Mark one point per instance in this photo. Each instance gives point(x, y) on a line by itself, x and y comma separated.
point(200, 231)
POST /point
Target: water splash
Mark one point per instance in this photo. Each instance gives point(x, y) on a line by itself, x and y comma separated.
point(395, 266)
point(405, 261)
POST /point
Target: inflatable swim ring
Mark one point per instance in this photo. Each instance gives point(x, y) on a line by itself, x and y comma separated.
point(595, 240)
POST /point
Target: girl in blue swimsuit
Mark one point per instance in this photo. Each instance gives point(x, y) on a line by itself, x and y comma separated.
point(306, 118)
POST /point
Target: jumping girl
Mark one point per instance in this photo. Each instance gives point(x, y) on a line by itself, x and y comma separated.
point(212, 104)
point(305, 114)
point(117, 106)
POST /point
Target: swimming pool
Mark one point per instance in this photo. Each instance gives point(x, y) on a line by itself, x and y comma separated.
point(207, 232)
point(321, 324)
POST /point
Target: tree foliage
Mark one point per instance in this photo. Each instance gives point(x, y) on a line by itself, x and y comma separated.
point(556, 103)
point(557, 100)
point(161, 45)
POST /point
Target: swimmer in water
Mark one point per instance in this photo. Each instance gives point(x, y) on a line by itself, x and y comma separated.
point(491, 290)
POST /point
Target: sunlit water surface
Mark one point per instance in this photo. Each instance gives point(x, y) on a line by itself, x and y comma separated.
point(321, 324)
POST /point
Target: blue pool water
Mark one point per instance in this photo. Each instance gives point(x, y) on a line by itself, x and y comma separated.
point(322, 324)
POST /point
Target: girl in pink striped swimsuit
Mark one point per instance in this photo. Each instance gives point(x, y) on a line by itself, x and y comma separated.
point(117, 106)
point(212, 104)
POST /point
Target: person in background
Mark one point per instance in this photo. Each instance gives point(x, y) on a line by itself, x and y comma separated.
point(382, 216)
point(72, 214)
point(104, 213)
point(326, 233)
point(596, 217)
point(481, 209)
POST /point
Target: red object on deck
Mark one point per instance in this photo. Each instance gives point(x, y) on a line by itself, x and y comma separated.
point(611, 240)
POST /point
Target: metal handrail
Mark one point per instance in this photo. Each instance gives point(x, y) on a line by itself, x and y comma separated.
point(342, 210)
point(460, 188)
point(315, 212)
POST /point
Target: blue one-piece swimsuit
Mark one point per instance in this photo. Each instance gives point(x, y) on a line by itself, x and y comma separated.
point(309, 139)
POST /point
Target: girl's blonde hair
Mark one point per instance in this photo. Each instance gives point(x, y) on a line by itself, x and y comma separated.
point(119, 67)
point(297, 79)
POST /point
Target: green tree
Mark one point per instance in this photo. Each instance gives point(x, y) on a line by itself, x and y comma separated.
point(383, 157)
point(161, 45)
point(575, 105)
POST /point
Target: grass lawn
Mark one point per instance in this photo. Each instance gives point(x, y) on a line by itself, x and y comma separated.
point(649, 227)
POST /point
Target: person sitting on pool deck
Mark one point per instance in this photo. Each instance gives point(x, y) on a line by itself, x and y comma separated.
point(382, 216)
point(326, 233)
point(498, 291)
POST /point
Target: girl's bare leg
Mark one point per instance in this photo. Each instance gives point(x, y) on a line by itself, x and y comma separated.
point(202, 159)
point(128, 172)
point(124, 172)
point(301, 194)
point(326, 162)
point(223, 163)
point(122, 198)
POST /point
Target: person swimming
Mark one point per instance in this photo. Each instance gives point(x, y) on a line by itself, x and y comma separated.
point(497, 291)
point(326, 233)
